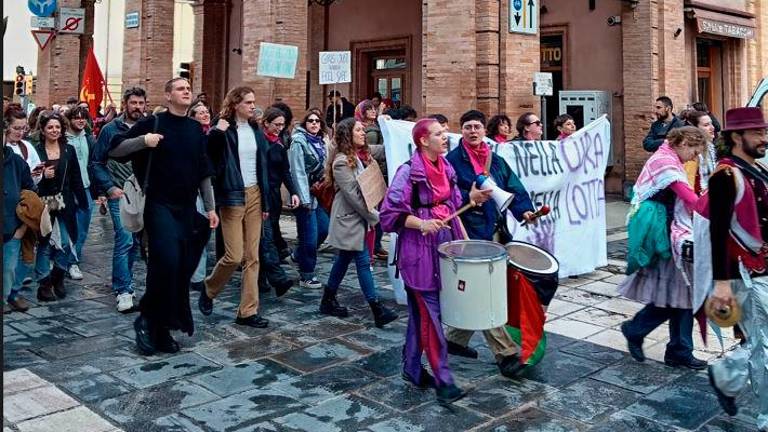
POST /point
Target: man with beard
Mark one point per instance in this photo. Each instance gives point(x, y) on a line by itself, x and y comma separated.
point(666, 120)
point(168, 153)
point(738, 215)
point(108, 177)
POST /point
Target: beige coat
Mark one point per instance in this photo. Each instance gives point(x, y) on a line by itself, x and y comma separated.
point(350, 218)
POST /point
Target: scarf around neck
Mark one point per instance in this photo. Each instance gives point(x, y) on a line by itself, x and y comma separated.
point(663, 168)
point(441, 188)
point(317, 143)
point(273, 139)
point(478, 156)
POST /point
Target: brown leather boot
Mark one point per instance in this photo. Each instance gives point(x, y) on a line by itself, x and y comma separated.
point(45, 290)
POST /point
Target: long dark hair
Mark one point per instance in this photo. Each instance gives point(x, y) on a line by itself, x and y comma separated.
point(319, 114)
point(46, 118)
point(342, 144)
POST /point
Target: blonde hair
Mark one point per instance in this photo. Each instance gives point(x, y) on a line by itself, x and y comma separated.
point(692, 136)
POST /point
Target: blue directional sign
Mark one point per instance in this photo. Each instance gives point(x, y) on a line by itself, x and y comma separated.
point(42, 8)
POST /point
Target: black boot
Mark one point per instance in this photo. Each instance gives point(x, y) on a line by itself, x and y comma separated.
point(57, 280)
point(45, 290)
point(164, 342)
point(144, 336)
point(330, 306)
point(381, 315)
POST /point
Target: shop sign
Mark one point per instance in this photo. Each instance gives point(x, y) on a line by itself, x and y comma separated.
point(551, 48)
point(725, 29)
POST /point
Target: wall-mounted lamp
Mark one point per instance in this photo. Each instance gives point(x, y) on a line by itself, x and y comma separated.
point(632, 3)
point(677, 32)
point(237, 51)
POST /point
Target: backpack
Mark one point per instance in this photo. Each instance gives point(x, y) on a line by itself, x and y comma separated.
point(134, 196)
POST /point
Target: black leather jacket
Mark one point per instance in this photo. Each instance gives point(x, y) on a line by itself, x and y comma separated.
point(228, 185)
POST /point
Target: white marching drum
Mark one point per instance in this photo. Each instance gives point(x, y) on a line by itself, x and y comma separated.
point(474, 284)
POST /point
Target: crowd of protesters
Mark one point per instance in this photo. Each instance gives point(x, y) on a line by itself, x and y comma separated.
point(236, 169)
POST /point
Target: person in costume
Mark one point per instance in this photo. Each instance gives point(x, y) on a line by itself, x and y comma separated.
point(738, 211)
point(424, 193)
point(660, 234)
point(473, 157)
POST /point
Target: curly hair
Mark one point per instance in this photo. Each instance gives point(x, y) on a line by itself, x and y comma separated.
point(234, 97)
point(494, 124)
point(343, 144)
point(690, 135)
point(46, 118)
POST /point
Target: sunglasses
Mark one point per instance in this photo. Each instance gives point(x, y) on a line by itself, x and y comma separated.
point(313, 120)
point(537, 123)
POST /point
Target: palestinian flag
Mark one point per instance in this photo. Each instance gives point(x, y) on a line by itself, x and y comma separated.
point(525, 322)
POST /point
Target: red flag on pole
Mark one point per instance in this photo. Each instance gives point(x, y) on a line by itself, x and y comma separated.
point(92, 90)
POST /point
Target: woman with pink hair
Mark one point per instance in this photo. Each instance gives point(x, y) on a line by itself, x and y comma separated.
point(422, 195)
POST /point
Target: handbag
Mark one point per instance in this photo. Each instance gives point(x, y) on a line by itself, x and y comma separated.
point(135, 196)
point(324, 191)
point(56, 202)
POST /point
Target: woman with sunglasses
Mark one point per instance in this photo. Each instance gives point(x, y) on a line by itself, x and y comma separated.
point(61, 188)
point(307, 157)
point(528, 127)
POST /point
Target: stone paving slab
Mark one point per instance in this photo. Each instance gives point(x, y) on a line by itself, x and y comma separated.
point(79, 419)
point(312, 372)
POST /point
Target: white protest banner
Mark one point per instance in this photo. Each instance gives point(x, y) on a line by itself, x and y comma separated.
point(335, 67)
point(565, 175)
point(276, 60)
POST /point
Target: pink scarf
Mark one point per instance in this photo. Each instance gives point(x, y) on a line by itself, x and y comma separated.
point(478, 156)
point(441, 188)
point(273, 139)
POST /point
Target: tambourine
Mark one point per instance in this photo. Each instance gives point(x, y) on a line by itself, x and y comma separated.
point(726, 316)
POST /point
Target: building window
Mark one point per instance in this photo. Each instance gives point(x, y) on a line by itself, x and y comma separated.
point(709, 77)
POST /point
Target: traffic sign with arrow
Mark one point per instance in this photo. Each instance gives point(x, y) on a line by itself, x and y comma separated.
point(523, 16)
point(42, 8)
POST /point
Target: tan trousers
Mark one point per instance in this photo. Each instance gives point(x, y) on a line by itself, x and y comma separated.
point(498, 340)
point(241, 228)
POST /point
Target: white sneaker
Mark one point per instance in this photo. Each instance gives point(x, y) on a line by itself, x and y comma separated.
point(75, 273)
point(311, 283)
point(124, 302)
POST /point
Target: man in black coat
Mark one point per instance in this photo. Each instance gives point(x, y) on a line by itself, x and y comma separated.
point(344, 108)
point(666, 120)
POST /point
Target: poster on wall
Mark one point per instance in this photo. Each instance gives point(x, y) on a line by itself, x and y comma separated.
point(335, 67)
point(277, 61)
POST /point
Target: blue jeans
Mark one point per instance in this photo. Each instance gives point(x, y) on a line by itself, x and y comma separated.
point(11, 252)
point(312, 228)
point(680, 346)
point(126, 251)
point(364, 275)
point(45, 251)
point(83, 223)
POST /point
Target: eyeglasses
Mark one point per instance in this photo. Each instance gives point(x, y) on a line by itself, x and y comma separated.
point(313, 120)
point(537, 123)
point(278, 125)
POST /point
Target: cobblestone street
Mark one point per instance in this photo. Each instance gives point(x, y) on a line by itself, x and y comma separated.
point(72, 365)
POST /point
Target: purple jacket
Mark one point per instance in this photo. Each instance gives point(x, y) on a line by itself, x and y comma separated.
point(417, 257)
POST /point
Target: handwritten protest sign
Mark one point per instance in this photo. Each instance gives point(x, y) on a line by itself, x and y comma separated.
point(372, 185)
point(278, 61)
point(565, 175)
point(335, 67)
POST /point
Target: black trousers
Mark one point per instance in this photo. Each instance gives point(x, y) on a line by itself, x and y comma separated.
point(270, 259)
point(276, 209)
point(176, 237)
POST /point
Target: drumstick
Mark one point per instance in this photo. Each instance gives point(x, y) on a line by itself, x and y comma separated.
point(459, 211)
point(543, 211)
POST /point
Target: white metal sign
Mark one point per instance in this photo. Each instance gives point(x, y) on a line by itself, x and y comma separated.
point(71, 20)
point(42, 22)
point(335, 67)
point(524, 16)
point(542, 84)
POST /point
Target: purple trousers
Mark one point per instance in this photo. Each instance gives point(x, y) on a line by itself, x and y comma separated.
point(425, 334)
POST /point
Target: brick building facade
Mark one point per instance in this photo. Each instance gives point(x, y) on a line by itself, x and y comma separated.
point(449, 56)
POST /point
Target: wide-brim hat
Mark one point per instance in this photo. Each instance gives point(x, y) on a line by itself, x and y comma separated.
point(737, 119)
